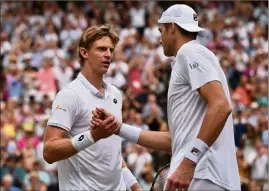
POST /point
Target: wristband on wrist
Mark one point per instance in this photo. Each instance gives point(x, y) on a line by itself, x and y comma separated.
point(82, 141)
point(130, 133)
point(197, 151)
point(128, 177)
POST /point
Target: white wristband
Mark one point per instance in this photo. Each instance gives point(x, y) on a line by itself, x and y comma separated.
point(128, 177)
point(197, 151)
point(130, 133)
point(82, 140)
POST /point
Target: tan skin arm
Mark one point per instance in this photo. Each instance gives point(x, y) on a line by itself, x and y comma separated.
point(56, 141)
point(155, 140)
point(218, 111)
point(150, 139)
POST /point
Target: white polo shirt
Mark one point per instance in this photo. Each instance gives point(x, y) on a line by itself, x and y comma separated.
point(194, 66)
point(99, 167)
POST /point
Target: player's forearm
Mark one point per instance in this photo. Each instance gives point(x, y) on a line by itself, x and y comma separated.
point(214, 121)
point(155, 140)
point(56, 150)
point(150, 139)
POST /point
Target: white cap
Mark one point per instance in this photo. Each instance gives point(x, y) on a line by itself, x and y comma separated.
point(183, 15)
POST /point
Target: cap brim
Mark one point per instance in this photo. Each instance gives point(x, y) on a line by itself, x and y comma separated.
point(191, 27)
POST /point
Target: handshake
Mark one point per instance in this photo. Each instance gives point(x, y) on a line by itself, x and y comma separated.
point(103, 124)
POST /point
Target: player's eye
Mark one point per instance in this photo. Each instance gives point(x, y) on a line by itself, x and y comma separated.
point(103, 48)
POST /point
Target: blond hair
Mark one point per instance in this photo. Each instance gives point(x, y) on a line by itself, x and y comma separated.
point(92, 34)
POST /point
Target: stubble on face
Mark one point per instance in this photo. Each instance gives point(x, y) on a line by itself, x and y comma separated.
point(165, 40)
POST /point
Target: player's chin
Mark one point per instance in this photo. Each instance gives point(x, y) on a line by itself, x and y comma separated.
point(167, 53)
point(104, 69)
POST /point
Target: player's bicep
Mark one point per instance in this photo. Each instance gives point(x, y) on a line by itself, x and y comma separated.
point(213, 92)
point(54, 133)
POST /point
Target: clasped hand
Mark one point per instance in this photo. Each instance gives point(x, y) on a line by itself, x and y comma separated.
point(103, 124)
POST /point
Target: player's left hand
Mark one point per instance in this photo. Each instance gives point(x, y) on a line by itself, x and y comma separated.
point(136, 187)
point(182, 177)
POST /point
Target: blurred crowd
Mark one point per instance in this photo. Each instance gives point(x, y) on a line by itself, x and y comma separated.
point(39, 57)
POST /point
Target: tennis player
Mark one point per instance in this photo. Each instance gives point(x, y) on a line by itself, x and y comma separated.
point(201, 135)
point(85, 160)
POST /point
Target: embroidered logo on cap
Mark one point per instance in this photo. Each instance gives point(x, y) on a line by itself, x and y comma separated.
point(195, 17)
point(115, 101)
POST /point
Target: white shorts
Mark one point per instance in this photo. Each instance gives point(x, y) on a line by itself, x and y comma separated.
point(204, 184)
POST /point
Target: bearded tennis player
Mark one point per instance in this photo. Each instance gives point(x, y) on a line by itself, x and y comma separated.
point(201, 136)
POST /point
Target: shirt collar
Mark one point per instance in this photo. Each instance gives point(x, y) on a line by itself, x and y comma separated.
point(93, 89)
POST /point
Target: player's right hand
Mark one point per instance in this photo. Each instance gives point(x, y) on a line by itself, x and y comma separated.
point(104, 120)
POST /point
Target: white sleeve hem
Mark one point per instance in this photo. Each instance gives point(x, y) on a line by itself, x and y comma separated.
point(58, 125)
point(195, 88)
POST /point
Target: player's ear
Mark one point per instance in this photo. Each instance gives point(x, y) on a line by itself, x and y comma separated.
point(173, 27)
point(83, 52)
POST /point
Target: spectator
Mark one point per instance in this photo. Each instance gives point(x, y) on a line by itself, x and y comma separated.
point(42, 175)
point(7, 184)
point(10, 167)
point(47, 78)
point(259, 171)
point(151, 108)
point(35, 183)
point(137, 159)
point(147, 177)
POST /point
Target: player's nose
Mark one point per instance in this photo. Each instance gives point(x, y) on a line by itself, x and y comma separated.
point(108, 54)
point(160, 41)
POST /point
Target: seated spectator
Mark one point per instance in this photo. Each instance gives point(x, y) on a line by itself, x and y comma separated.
point(10, 167)
point(6, 184)
point(43, 176)
point(35, 183)
point(259, 171)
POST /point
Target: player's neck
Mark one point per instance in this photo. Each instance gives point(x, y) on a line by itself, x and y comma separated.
point(180, 42)
point(95, 79)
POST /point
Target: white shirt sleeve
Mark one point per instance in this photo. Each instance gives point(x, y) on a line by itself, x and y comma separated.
point(198, 69)
point(65, 109)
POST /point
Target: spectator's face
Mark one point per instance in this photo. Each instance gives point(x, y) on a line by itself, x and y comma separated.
point(139, 120)
point(11, 104)
point(34, 179)
point(253, 186)
point(11, 164)
point(98, 56)
point(36, 166)
point(152, 99)
point(148, 176)
point(12, 68)
point(47, 63)
point(239, 155)
point(7, 182)
point(243, 80)
point(264, 88)
point(132, 114)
